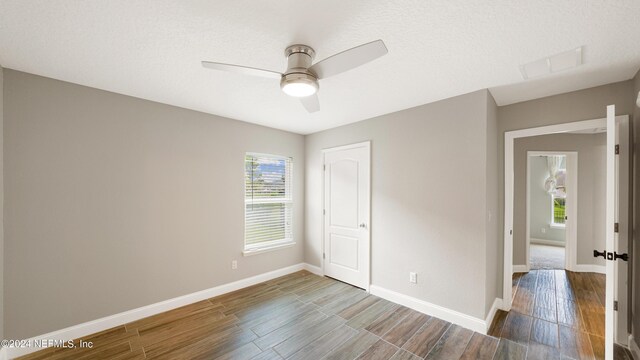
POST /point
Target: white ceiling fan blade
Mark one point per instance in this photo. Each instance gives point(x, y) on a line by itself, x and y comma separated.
point(349, 59)
point(242, 69)
point(311, 103)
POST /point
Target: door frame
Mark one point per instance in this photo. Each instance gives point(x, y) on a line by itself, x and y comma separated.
point(571, 232)
point(367, 146)
point(509, 141)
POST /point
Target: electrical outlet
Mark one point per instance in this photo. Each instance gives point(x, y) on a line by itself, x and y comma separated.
point(234, 264)
point(413, 278)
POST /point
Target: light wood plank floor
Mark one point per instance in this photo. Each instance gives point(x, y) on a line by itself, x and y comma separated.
point(304, 316)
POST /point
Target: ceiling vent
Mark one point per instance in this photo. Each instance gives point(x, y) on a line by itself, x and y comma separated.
point(552, 64)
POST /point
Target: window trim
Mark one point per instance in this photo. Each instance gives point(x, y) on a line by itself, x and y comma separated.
point(255, 249)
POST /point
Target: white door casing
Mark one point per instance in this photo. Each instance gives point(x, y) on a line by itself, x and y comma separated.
point(346, 242)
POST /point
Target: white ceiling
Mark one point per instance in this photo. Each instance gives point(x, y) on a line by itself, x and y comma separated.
point(437, 49)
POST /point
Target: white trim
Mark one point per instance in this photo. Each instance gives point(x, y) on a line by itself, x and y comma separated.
point(367, 145)
point(497, 304)
point(264, 249)
point(520, 269)
point(611, 213)
point(633, 346)
point(600, 269)
point(314, 269)
point(347, 147)
point(452, 316)
point(94, 326)
point(509, 139)
point(547, 242)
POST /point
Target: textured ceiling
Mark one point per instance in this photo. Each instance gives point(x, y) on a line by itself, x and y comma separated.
point(437, 49)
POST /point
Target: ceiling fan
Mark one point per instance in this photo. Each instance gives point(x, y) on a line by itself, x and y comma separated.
point(301, 77)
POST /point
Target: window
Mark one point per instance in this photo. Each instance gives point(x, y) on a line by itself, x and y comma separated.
point(268, 202)
point(558, 200)
point(558, 209)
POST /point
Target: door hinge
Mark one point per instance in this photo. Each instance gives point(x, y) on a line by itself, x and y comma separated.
point(617, 149)
point(615, 227)
point(615, 305)
point(323, 256)
point(324, 212)
point(324, 167)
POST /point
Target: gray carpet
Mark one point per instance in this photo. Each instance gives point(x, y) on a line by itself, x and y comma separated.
point(546, 257)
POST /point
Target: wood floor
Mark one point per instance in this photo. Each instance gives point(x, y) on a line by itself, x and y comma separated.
point(304, 316)
point(556, 314)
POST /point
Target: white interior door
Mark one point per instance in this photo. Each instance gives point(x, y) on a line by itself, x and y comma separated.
point(346, 214)
point(611, 213)
point(623, 235)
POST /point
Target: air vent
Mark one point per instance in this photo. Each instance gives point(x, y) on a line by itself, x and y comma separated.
point(552, 64)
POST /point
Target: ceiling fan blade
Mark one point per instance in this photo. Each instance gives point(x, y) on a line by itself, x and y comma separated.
point(349, 59)
point(242, 69)
point(311, 103)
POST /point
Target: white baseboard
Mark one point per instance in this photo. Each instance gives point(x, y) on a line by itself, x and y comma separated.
point(633, 346)
point(600, 269)
point(520, 268)
point(458, 318)
point(91, 327)
point(314, 269)
point(497, 304)
point(546, 242)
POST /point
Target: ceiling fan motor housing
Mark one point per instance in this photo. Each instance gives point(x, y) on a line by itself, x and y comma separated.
point(299, 60)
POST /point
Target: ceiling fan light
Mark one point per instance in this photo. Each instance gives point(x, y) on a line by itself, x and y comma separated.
point(299, 85)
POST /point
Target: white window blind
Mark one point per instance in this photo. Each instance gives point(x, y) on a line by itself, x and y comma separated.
point(268, 200)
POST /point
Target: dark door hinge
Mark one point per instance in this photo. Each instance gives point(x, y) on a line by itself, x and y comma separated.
point(617, 149)
point(615, 227)
point(324, 167)
point(615, 305)
point(323, 255)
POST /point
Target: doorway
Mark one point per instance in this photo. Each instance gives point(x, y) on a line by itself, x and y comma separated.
point(346, 238)
point(551, 210)
point(614, 322)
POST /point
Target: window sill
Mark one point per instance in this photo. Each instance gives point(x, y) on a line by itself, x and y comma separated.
point(260, 250)
point(555, 226)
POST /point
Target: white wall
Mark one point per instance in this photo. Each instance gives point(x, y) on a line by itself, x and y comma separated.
point(540, 203)
point(113, 202)
point(591, 151)
point(428, 197)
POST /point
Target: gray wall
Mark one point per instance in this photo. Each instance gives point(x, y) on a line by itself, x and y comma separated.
point(428, 199)
point(493, 263)
point(540, 203)
point(591, 151)
point(574, 106)
point(113, 202)
point(1, 206)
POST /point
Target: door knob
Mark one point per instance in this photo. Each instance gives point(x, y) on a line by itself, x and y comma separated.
point(363, 225)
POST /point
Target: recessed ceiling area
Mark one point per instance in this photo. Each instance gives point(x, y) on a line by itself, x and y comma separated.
point(437, 49)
